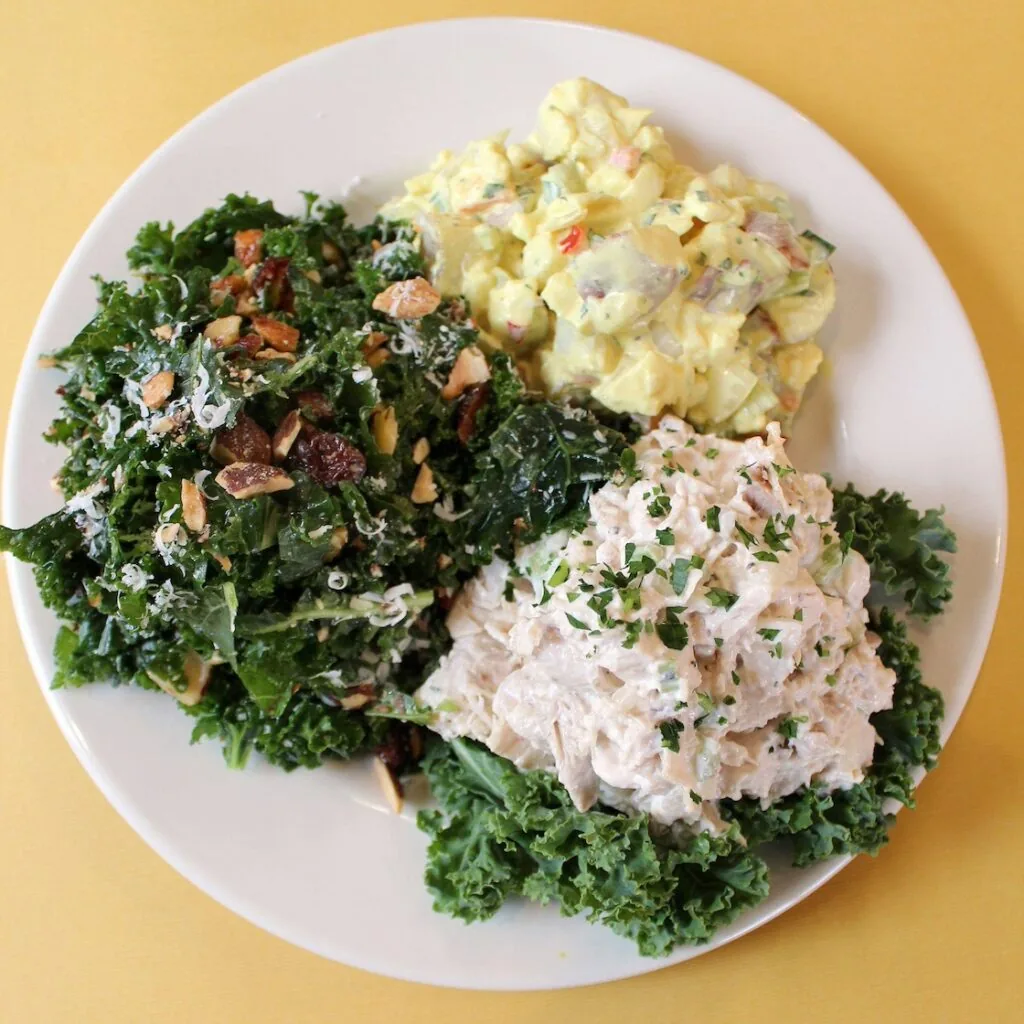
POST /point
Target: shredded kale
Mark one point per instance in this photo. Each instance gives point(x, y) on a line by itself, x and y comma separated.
point(268, 618)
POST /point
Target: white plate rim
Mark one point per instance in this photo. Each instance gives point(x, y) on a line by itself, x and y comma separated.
point(22, 586)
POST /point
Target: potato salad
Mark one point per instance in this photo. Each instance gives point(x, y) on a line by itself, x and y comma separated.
point(610, 269)
point(702, 638)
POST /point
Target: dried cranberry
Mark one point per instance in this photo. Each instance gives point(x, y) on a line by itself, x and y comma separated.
point(314, 406)
point(473, 401)
point(248, 345)
point(300, 456)
point(333, 459)
point(394, 751)
point(272, 287)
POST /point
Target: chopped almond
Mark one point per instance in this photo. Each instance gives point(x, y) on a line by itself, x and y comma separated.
point(424, 490)
point(420, 450)
point(222, 560)
point(157, 389)
point(268, 355)
point(339, 538)
point(223, 288)
point(193, 506)
point(385, 429)
point(330, 252)
point(248, 479)
point(164, 332)
point(276, 334)
point(313, 275)
point(389, 784)
point(377, 358)
point(249, 246)
point(470, 368)
point(374, 340)
point(356, 700)
point(196, 674)
point(408, 300)
point(224, 331)
point(284, 437)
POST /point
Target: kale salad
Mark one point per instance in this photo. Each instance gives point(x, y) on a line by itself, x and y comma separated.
point(288, 454)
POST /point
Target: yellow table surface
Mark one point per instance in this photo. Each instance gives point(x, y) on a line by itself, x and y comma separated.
point(95, 927)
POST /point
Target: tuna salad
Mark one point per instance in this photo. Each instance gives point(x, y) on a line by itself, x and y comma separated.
point(703, 637)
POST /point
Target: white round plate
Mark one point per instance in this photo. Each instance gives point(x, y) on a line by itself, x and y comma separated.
point(315, 857)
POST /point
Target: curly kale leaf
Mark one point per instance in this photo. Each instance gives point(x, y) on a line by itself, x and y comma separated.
point(856, 820)
point(900, 544)
point(910, 729)
point(502, 832)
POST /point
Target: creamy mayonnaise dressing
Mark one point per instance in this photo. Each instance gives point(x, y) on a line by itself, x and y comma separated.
point(708, 606)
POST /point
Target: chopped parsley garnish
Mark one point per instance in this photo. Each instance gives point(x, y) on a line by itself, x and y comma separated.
point(673, 632)
point(681, 571)
point(711, 517)
point(766, 556)
point(735, 678)
point(718, 597)
point(705, 700)
point(798, 615)
point(712, 453)
point(782, 470)
point(696, 797)
point(640, 567)
point(690, 442)
point(666, 538)
point(747, 537)
point(768, 634)
point(774, 539)
point(660, 507)
point(670, 735)
point(577, 623)
point(831, 680)
point(728, 700)
point(790, 726)
point(632, 631)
